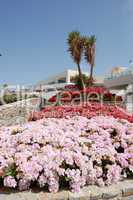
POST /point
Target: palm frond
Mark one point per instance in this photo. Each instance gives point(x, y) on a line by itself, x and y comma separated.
point(89, 52)
point(76, 46)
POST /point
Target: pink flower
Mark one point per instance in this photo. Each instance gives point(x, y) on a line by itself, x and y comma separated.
point(24, 184)
point(9, 181)
point(76, 149)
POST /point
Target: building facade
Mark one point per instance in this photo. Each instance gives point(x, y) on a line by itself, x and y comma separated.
point(65, 78)
point(120, 80)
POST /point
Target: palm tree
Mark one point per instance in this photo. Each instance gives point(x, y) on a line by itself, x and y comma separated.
point(5, 85)
point(90, 49)
point(77, 81)
point(76, 48)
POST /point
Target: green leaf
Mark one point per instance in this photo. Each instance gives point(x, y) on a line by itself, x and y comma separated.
point(11, 171)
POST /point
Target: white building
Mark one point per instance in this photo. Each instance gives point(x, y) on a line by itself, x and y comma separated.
point(120, 80)
point(65, 78)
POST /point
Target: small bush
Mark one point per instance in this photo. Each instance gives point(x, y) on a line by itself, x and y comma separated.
point(10, 98)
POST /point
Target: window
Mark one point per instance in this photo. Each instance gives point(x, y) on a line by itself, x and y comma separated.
point(50, 83)
point(62, 80)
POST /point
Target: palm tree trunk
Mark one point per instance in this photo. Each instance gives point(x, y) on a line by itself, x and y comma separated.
point(80, 76)
point(91, 75)
point(82, 85)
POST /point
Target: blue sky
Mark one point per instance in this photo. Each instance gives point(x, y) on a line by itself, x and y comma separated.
point(33, 36)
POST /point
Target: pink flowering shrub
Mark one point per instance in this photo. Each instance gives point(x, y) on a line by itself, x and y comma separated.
point(73, 152)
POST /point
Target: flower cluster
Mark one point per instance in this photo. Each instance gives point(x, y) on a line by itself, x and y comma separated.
point(88, 110)
point(73, 152)
point(71, 93)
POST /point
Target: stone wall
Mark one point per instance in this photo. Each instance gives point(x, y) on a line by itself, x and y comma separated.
point(121, 191)
point(18, 112)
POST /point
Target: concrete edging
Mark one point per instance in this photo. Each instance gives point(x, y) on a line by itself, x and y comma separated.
point(121, 191)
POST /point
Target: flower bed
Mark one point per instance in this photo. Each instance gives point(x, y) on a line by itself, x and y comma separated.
point(96, 93)
point(89, 110)
point(70, 152)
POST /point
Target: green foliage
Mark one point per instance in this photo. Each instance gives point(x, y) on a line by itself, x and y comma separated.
point(76, 79)
point(5, 85)
point(10, 98)
point(33, 96)
point(11, 171)
point(129, 173)
point(64, 182)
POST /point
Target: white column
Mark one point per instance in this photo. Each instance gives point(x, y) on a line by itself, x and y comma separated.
point(68, 76)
